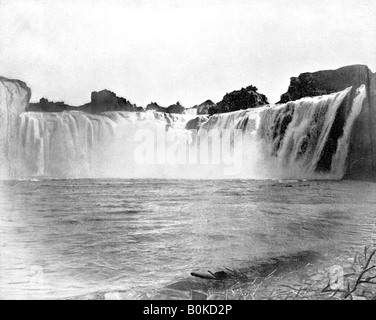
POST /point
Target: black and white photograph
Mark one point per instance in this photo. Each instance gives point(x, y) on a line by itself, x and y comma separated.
point(195, 150)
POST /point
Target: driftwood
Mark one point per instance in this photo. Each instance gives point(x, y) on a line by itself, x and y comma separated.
point(222, 275)
point(203, 276)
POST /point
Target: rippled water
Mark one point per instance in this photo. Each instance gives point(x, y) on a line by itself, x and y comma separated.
point(66, 238)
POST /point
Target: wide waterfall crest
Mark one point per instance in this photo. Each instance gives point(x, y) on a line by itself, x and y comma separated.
point(303, 139)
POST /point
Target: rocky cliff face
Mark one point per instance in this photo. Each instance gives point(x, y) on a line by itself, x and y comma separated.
point(242, 99)
point(14, 98)
point(361, 158)
point(325, 82)
point(153, 106)
point(361, 161)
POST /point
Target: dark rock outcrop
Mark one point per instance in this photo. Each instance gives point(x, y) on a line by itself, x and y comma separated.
point(361, 157)
point(153, 106)
point(196, 123)
point(203, 108)
point(176, 108)
point(140, 109)
point(325, 82)
point(105, 100)
point(102, 101)
point(242, 99)
point(48, 106)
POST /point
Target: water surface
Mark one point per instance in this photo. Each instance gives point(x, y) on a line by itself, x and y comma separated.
point(66, 238)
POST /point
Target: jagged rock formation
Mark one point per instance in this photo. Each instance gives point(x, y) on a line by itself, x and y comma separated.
point(176, 108)
point(325, 82)
point(48, 106)
point(153, 106)
point(203, 108)
point(242, 99)
point(102, 101)
point(14, 98)
point(361, 160)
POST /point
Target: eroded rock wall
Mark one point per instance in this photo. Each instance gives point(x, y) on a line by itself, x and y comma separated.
point(14, 99)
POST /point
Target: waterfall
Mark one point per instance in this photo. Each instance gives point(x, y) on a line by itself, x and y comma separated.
point(340, 157)
point(234, 137)
point(294, 135)
point(304, 139)
point(77, 144)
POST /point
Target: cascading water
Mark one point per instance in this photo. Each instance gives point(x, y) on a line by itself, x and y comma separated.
point(340, 157)
point(294, 136)
point(303, 139)
point(76, 144)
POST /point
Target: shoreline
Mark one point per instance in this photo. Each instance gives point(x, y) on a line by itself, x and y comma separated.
point(348, 276)
point(344, 276)
point(327, 277)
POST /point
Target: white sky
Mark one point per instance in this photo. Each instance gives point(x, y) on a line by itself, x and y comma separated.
point(173, 50)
